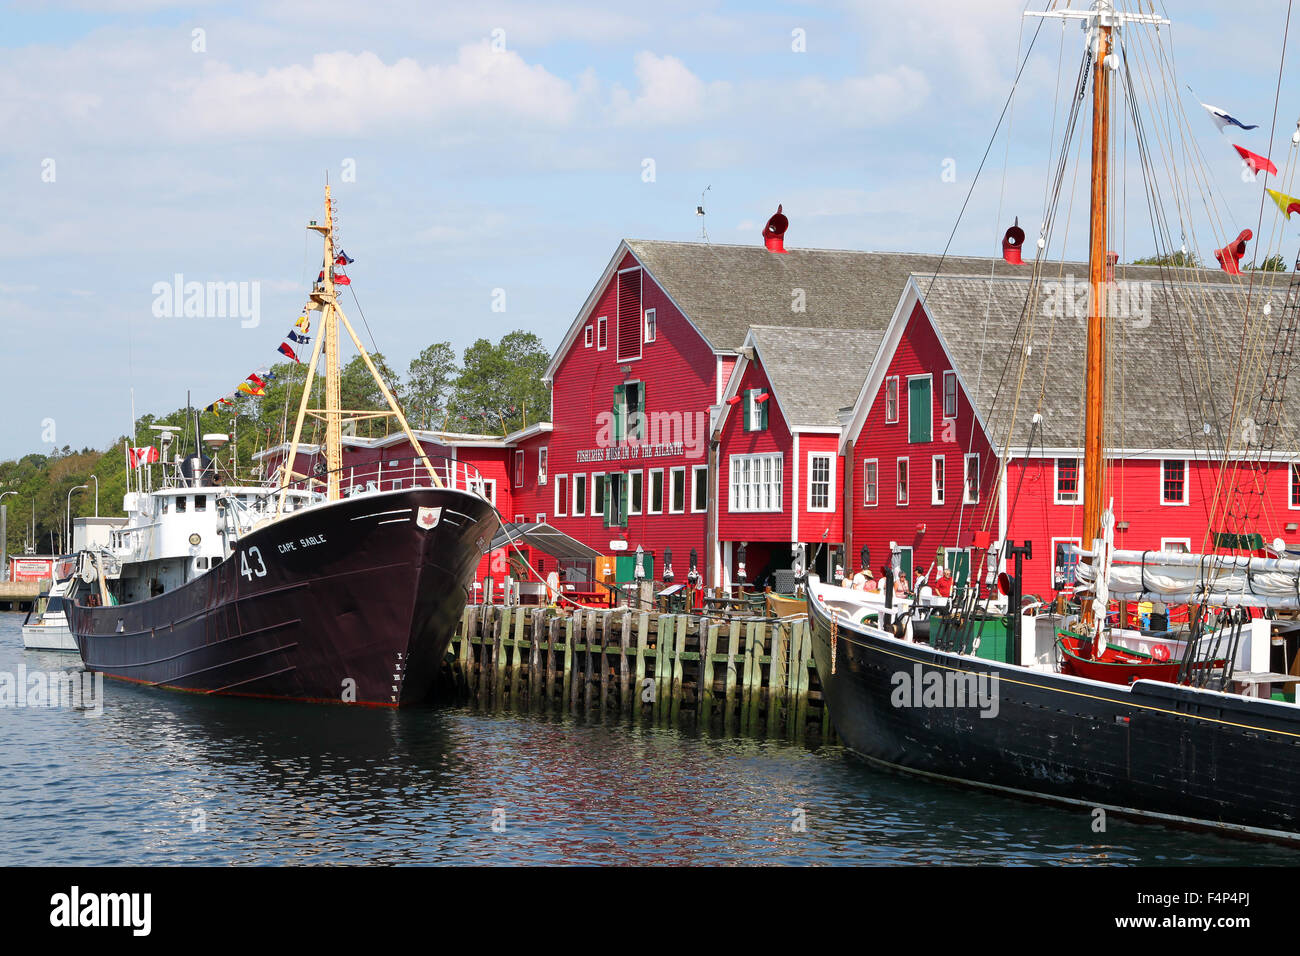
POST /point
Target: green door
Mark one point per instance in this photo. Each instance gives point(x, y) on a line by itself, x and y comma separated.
point(920, 413)
point(625, 567)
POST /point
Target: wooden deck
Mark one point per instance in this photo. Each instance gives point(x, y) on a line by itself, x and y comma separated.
point(740, 676)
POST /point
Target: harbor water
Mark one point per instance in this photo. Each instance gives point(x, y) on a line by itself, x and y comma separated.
point(160, 777)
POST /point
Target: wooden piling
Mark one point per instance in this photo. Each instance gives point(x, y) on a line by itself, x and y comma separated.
point(708, 648)
point(733, 645)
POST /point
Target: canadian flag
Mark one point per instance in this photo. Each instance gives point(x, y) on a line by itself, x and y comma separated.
point(143, 456)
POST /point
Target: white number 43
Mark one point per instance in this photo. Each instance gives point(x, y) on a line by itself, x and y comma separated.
point(248, 571)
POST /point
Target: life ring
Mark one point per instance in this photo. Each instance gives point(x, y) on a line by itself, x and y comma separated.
point(1160, 652)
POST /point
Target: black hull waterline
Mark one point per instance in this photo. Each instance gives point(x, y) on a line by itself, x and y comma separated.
point(1157, 750)
point(354, 601)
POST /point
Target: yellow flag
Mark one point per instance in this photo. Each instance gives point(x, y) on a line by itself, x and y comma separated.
point(1288, 204)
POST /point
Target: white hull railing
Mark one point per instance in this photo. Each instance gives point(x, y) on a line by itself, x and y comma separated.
point(374, 477)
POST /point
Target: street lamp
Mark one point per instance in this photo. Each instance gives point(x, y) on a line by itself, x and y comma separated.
point(67, 527)
point(95, 479)
point(4, 539)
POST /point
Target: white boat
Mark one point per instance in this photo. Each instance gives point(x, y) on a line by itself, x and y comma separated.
point(50, 631)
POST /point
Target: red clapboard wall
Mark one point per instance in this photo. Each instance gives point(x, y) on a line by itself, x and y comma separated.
point(920, 524)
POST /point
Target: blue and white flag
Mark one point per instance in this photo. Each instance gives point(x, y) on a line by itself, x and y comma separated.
point(1223, 120)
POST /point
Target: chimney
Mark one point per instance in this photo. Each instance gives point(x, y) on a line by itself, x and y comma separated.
point(774, 232)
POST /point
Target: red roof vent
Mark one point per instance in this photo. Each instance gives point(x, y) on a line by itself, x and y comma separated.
point(774, 232)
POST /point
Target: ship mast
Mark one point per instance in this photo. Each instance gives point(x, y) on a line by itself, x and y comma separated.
point(324, 299)
point(1103, 23)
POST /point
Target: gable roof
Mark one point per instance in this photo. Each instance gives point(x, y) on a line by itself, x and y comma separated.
point(813, 372)
point(1173, 366)
point(726, 289)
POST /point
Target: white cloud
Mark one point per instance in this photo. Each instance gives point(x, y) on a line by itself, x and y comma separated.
point(668, 93)
point(352, 92)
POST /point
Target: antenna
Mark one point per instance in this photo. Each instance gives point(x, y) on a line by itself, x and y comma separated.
point(699, 211)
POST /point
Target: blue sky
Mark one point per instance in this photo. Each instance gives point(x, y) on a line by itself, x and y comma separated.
point(517, 168)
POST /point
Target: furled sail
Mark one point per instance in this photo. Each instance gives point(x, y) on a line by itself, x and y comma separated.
point(1180, 578)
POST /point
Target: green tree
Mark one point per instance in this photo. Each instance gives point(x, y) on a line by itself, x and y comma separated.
point(500, 387)
point(1180, 260)
point(1272, 264)
point(430, 379)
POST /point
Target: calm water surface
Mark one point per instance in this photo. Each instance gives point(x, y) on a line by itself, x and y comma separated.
point(169, 778)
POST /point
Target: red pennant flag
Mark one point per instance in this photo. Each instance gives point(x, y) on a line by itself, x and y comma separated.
point(1257, 163)
point(285, 350)
point(340, 279)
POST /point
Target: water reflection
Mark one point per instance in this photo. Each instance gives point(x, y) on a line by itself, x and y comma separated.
point(164, 777)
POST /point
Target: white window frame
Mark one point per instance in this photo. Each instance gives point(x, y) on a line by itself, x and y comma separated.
point(966, 499)
point(651, 326)
point(602, 334)
point(561, 496)
point(699, 507)
point(649, 492)
point(1057, 498)
point(866, 484)
point(541, 464)
point(830, 481)
point(672, 473)
point(632, 507)
point(1187, 481)
point(590, 337)
point(579, 497)
point(490, 491)
point(540, 518)
point(520, 458)
point(891, 381)
point(940, 487)
point(1292, 479)
point(594, 511)
point(903, 489)
point(1186, 542)
point(950, 376)
point(520, 519)
point(762, 492)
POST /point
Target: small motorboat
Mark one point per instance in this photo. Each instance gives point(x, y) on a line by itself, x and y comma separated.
point(50, 631)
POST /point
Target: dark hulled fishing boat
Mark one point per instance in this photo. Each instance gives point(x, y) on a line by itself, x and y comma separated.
point(353, 600)
point(1111, 716)
point(306, 588)
point(1180, 754)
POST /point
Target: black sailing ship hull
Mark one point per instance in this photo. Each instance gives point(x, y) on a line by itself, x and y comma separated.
point(1154, 750)
point(350, 602)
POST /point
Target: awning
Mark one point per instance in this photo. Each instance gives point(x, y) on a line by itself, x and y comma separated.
point(544, 537)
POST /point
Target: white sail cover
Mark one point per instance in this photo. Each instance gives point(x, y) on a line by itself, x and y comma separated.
point(1180, 578)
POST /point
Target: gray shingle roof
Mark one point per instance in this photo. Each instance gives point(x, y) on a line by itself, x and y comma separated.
point(725, 289)
point(1173, 361)
point(815, 372)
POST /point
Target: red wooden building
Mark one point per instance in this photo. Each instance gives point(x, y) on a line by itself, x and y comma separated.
point(735, 400)
point(970, 423)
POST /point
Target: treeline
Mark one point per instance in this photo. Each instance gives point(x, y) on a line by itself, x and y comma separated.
point(495, 389)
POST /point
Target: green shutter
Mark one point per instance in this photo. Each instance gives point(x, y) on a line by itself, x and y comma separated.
point(920, 413)
point(960, 569)
point(745, 400)
point(606, 496)
point(620, 407)
point(640, 407)
point(762, 414)
point(624, 488)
